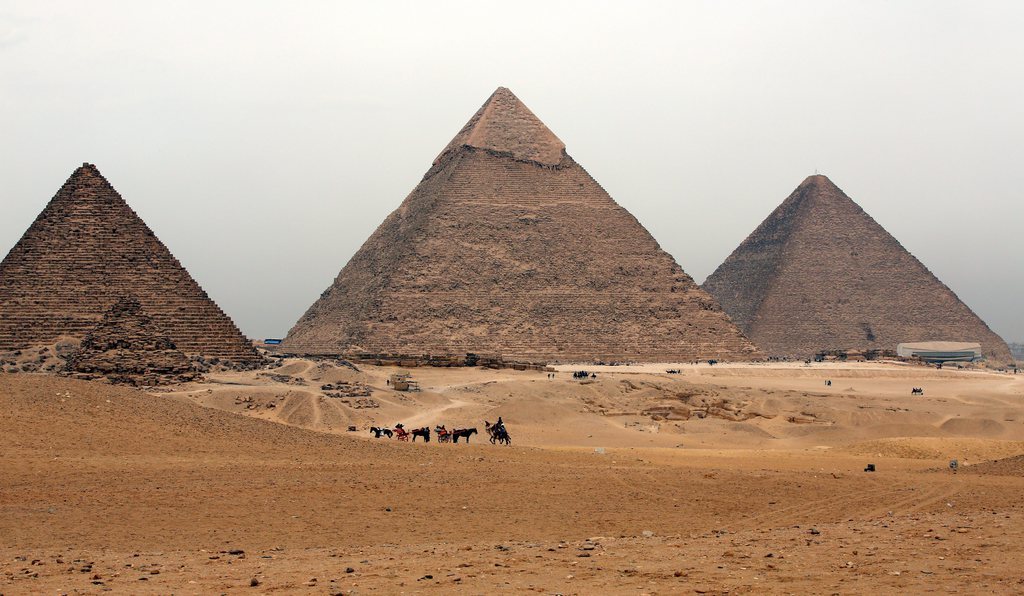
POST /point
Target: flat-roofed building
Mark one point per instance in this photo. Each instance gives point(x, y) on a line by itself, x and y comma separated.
point(940, 351)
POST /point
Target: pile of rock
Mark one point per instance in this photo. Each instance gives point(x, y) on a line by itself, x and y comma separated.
point(361, 403)
point(44, 359)
point(284, 379)
point(127, 347)
point(346, 389)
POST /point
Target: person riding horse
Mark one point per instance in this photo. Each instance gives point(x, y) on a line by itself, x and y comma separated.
point(498, 432)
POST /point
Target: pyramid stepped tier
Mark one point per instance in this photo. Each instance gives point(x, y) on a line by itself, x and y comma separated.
point(86, 250)
point(820, 274)
point(512, 249)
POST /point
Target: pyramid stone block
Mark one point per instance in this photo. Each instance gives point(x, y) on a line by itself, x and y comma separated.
point(86, 250)
point(820, 274)
point(508, 248)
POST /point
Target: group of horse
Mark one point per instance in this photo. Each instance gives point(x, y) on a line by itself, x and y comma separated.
point(496, 432)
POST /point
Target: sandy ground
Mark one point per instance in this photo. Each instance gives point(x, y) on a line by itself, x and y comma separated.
point(746, 479)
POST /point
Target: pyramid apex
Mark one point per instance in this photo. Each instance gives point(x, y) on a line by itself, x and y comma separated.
point(86, 169)
point(505, 125)
point(817, 179)
point(819, 187)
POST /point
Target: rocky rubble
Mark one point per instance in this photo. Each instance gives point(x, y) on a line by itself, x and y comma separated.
point(128, 347)
point(346, 389)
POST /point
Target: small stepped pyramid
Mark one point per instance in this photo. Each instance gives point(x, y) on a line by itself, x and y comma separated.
point(86, 250)
point(509, 248)
point(128, 347)
point(820, 274)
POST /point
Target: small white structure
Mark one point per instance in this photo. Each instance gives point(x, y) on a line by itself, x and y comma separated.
point(940, 351)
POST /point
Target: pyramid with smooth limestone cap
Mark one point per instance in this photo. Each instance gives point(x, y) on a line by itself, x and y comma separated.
point(84, 252)
point(508, 248)
point(820, 274)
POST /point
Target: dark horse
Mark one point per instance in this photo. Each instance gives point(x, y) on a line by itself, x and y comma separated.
point(498, 433)
point(463, 432)
point(377, 432)
point(421, 432)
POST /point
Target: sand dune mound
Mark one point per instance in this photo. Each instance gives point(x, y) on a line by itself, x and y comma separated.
point(74, 417)
point(973, 427)
point(938, 448)
point(1009, 466)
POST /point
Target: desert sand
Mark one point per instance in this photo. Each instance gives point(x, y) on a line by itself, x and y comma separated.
point(745, 478)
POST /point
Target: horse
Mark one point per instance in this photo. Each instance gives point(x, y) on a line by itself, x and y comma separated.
point(402, 434)
point(498, 433)
point(421, 432)
point(377, 432)
point(443, 434)
point(463, 432)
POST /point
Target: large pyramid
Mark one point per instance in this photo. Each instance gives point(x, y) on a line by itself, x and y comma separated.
point(508, 248)
point(85, 251)
point(819, 274)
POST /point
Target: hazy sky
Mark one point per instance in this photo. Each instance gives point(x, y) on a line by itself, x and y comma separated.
point(264, 141)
